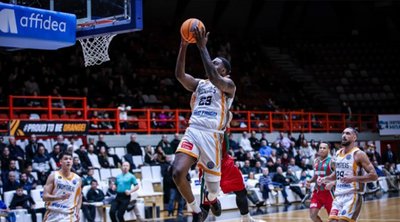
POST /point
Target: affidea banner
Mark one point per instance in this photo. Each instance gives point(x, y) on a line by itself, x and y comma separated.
point(25, 27)
point(389, 125)
point(25, 127)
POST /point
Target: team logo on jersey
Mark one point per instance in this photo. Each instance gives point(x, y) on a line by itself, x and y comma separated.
point(348, 157)
point(343, 212)
point(59, 177)
point(74, 182)
point(210, 165)
point(187, 145)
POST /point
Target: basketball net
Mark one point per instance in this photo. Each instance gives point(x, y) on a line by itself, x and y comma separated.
point(95, 49)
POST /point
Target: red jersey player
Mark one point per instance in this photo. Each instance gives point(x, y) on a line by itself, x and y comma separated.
point(322, 195)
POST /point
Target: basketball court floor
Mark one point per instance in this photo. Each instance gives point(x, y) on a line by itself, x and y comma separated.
point(375, 209)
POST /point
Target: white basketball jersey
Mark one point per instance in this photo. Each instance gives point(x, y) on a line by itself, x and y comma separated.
point(210, 106)
point(64, 185)
point(345, 165)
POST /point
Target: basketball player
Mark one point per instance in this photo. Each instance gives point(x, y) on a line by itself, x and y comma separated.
point(62, 193)
point(350, 179)
point(211, 100)
point(232, 181)
point(322, 195)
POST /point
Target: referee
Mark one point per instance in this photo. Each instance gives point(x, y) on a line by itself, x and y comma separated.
point(124, 183)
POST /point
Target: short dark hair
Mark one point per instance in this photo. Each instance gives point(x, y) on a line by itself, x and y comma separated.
point(65, 153)
point(226, 63)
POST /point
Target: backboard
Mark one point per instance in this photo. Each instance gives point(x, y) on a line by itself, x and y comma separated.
point(96, 17)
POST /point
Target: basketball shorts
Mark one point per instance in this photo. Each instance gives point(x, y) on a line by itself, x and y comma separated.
point(52, 216)
point(206, 147)
point(322, 198)
point(231, 178)
point(346, 207)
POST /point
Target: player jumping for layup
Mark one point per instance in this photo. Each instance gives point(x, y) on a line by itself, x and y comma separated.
point(349, 164)
point(211, 100)
point(62, 193)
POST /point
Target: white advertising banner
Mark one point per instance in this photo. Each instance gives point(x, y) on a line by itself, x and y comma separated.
point(389, 125)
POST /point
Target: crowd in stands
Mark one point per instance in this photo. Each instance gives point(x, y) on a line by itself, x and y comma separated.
point(267, 165)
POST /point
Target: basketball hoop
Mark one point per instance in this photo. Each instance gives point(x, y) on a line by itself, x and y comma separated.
point(95, 48)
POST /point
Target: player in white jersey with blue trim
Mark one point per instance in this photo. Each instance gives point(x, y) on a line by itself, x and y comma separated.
point(202, 142)
point(352, 170)
point(62, 193)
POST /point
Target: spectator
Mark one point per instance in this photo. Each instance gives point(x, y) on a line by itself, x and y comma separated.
point(16, 151)
point(93, 195)
point(111, 192)
point(245, 142)
point(25, 184)
point(159, 155)
point(6, 212)
point(265, 182)
point(54, 160)
point(25, 201)
point(294, 183)
point(2, 144)
point(11, 168)
point(87, 180)
point(390, 177)
point(280, 181)
point(265, 150)
point(165, 145)
point(103, 158)
point(299, 140)
point(346, 109)
point(11, 183)
point(175, 142)
point(149, 158)
point(32, 148)
point(83, 157)
point(254, 142)
point(373, 154)
point(389, 156)
point(94, 159)
point(284, 142)
point(292, 165)
point(233, 145)
point(101, 143)
point(30, 178)
point(123, 115)
point(240, 155)
point(77, 167)
point(257, 168)
point(246, 169)
point(133, 147)
point(41, 165)
point(5, 159)
point(61, 143)
point(307, 152)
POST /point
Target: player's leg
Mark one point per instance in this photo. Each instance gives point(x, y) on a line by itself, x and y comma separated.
point(315, 206)
point(182, 164)
point(351, 208)
point(314, 215)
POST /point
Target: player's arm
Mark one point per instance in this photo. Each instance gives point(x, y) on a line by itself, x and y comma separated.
point(48, 189)
point(223, 83)
point(361, 158)
point(189, 82)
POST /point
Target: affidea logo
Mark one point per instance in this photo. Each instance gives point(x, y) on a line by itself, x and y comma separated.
point(8, 22)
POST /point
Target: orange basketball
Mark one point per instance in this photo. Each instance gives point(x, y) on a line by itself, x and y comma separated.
point(187, 29)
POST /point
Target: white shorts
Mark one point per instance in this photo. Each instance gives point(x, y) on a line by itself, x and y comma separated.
point(52, 216)
point(346, 207)
point(206, 147)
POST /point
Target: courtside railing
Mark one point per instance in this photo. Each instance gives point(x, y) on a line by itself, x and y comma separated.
point(153, 121)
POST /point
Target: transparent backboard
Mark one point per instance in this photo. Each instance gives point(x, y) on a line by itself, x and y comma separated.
point(95, 17)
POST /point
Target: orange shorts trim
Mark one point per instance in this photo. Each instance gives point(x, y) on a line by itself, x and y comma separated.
point(208, 170)
point(181, 150)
